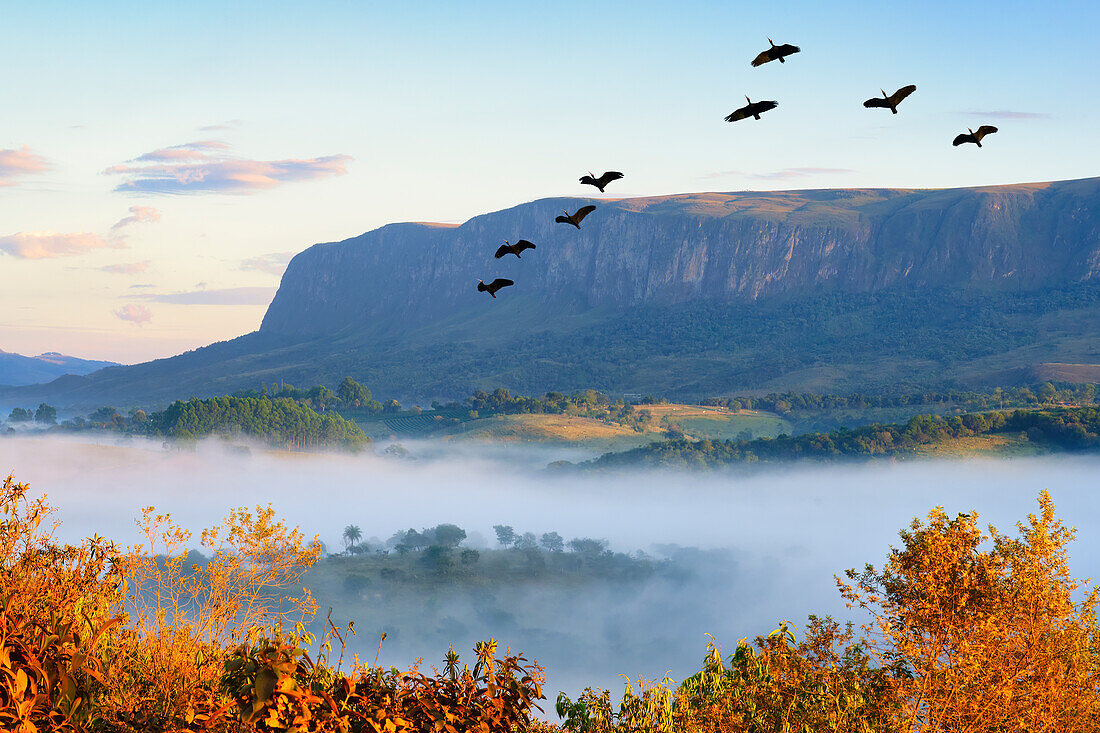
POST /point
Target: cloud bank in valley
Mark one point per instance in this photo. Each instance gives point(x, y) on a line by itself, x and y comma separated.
point(208, 166)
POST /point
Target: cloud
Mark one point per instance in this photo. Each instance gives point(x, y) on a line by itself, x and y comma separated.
point(22, 162)
point(1006, 114)
point(135, 314)
point(272, 263)
point(227, 125)
point(127, 268)
point(785, 174)
point(138, 215)
point(222, 296)
point(206, 166)
point(45, 245)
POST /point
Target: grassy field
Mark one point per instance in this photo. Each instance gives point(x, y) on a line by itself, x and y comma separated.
point(980, 445)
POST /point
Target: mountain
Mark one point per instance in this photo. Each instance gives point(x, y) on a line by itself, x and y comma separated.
point(18, 370)
point(682, 295)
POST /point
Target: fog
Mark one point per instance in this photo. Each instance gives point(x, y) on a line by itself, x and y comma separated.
point(768, 544)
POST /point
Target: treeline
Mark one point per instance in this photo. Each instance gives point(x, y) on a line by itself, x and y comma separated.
point(995, 399)
point(1067, 429)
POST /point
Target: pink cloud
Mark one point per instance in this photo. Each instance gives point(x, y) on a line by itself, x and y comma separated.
point(135, 314)
point(20, 162)
point(45, 245)
point(206, 167)
point(138, 215)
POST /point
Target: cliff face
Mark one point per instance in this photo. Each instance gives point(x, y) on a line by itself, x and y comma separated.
point(717, 247)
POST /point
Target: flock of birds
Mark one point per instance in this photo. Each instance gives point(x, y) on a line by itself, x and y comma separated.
point(752, 109)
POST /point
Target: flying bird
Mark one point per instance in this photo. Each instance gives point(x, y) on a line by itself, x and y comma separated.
point(513, 249)
point(891, 101)
point(775, 53)
point(975, 136)
point(752, 109)
point(602, 181)
point(577, 218)
point(494, 286)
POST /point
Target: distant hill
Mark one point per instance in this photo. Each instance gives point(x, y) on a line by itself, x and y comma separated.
point(17, 370)
point(683, 295)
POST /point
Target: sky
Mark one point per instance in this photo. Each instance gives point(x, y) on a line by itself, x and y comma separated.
point(161, 162)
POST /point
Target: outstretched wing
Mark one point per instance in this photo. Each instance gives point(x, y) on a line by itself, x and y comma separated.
point(583, 212)
point(963, 138)
point(738, 114)
point(504, 249)
point(785, 50)
point(984, 130)
point(764, 57)
point(563, 219)
point(876, 102)
point(608, 177)
point(902, 93)
point(589, 180)
point(763, 106)
point(523, 244)
point(499, 283)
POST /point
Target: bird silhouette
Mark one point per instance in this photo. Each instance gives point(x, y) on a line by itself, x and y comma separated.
point(775, 53)
point(577, 218)
point(494, 286)
point(602, 181)
point(975, 136)
point(752, 109)
point(891, 101)
point(513, 249)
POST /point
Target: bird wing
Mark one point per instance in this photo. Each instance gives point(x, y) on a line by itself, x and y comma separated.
point(588, 180)
point(609, 176)
point(563, 219)
point(503, 250)
point(764, 105)
point(523, 244)
point(985, 130)
point(902, 93)
point(738, 114)
point(786, 50)
point(499, 283)
point(763, 57)
point(963, 138)
point(583, 212)
point(876, 102)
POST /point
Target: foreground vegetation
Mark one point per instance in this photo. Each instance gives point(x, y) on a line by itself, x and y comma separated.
point(967, 632)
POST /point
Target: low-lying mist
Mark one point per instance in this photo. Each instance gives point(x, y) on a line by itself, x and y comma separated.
point(748, 551)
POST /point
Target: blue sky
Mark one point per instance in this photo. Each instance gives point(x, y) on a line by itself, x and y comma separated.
point(161, 161)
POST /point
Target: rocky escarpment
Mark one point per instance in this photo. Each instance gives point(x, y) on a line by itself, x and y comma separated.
point(718, 246)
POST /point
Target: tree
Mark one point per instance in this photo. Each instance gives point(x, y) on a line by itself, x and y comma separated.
point(45, 414)
point(506, 536)
point(588, 547)
point(448, 535)
point(321, 397)
point(19, 414)
point(984, 639)
point(138, 418)
point(352, 535)
point(552, 542)
point(353, 394)
point(527, 541)
point(391, 406)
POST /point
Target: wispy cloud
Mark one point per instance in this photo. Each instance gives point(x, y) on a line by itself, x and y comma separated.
point(138, 215)
point(780, 175)
point(272, 263)
point(127, 268)
point(1007, 114)
point(206, 166)
point(227, 125)
point(135, 314)
point(21, 162)
point(46, 245)
point(222, 296)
